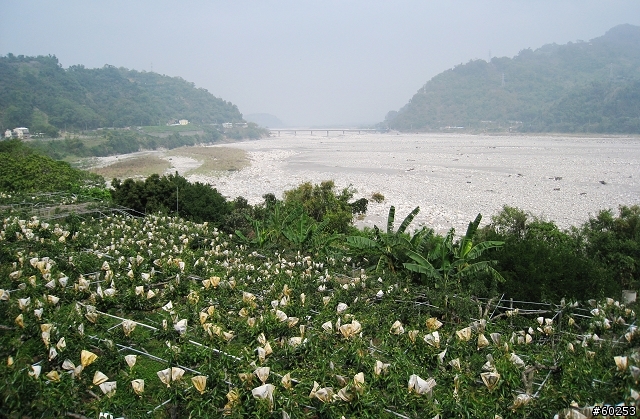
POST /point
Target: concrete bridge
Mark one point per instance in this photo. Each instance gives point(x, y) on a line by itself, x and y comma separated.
point(295, 131)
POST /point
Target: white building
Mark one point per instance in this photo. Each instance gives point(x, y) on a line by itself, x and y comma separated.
point(8, 134)
point(21, 132)
point(183, 122)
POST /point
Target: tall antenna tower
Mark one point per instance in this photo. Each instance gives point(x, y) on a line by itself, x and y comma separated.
point(502, 79)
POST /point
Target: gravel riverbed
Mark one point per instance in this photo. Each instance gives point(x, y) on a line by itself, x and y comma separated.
point(451, 177)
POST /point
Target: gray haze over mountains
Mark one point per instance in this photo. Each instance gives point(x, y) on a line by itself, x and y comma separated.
point(265, 120)
point(308, 63)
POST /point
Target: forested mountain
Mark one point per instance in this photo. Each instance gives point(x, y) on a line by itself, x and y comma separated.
point(38, 93)
point(589, 86)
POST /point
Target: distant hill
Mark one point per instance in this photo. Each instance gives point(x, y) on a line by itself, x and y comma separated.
point(38, 93)
point(591, 86)
point(265, 120)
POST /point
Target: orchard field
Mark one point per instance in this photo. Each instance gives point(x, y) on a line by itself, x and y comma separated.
point(157, 316)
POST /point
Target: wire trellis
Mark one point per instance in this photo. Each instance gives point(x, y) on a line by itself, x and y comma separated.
point(56, 205)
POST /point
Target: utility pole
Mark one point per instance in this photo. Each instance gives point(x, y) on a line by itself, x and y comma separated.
point(176, 200)
point(502, 79)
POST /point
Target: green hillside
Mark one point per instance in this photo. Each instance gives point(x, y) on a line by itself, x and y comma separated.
point(38, 93)
point(24, 169)
point(589, 86)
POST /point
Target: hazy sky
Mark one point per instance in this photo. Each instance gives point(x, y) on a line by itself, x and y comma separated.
point(310, 62)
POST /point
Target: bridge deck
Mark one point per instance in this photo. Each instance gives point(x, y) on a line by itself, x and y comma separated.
point(311, 130)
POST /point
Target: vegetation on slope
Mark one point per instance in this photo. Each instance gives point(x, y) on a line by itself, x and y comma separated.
point(38, 93)
point(25, 170)
point(597, 259)
point(578, 87)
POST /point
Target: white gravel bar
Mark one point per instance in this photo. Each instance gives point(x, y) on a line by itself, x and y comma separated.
point(452, 177)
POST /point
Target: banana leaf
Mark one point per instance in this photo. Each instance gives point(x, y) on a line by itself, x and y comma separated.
point(408, 219)
point(479, 248)
point(390, 219)
point(422, 265)
point(467, 241)
point(480, 267)
point(299, 230)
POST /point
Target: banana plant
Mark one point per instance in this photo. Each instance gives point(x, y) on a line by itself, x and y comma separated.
point(276, 221)
point(260, 237)
point(453, 262)
point(390, 247)
point(270, 230)
point(299, 229)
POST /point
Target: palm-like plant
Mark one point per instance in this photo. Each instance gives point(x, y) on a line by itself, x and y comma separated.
point(452, 262)
point(260, 235)
point(299, 228)
point(390, 246)
point(289, 226)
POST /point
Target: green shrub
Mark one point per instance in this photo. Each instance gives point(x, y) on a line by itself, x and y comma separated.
point(322, 203)
point(360, 206)
point(25, 170)
point(171, 194)
point(540, 262)
point(614, 242)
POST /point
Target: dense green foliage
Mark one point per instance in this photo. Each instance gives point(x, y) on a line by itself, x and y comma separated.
point(310, 216)
point(171, 194)
point(112, 142)
point(123, 141)
point(38, 93)
point(24, 170)
point(390, 248)
point(614, 242)
point(206, 305)
point(589, 86)
point(453, 266)
point(541, 262)
point(323, 204)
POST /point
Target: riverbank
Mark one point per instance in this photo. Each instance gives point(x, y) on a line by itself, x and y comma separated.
point(451, 177)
